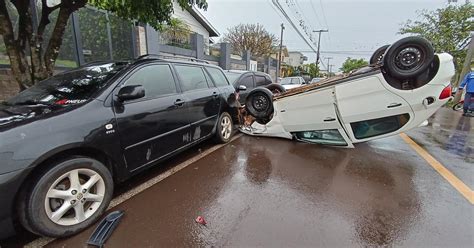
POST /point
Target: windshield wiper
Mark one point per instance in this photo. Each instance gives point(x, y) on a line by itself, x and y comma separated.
point(29, 102)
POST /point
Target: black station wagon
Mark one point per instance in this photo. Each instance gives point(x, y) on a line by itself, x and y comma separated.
point(66, 141)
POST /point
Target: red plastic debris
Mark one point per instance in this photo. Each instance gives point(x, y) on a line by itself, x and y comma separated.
point(201, 220)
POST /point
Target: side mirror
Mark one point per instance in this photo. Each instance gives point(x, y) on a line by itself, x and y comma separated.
point(241, 88)
point(131, 92)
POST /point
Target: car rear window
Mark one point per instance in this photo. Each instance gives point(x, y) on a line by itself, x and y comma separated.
point(232, 76)
point(217, 76)
point(192, 77)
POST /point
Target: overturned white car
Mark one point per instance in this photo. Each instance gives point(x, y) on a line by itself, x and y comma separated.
point(404, 85)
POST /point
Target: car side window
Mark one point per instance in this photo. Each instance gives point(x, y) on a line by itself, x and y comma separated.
point(157, 80)
point(269, 80)
point(260, 81)
point(217, 76)
point(326, 137)
point(295, 81)
point(247, 81)
point(374, 127)
point(192, 77)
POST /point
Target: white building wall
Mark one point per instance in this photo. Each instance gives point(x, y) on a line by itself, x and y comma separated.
point(194, 25)
point(294, 59)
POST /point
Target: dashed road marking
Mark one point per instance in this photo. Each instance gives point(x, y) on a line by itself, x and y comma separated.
point(450, 177)
point(40, 242)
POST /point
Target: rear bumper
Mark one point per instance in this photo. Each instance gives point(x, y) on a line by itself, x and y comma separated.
point(9, 185)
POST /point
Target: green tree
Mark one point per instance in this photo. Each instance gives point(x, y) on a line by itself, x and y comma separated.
point(352, 64)
point(32, 57)
point(252, 37)
point(312, 69)
point(447, 28)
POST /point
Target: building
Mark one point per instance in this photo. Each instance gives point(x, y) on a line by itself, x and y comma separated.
point(295, 59)
point(197, 22)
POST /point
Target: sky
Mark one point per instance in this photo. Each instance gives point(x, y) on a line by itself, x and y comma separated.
point(356, 27)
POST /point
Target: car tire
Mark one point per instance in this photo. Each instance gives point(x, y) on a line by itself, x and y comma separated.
point(259, 103)
point(408, 57)
point(225, 128)
point(458, 106)
point(276, 88)
point(377, 56)
point(52, 205)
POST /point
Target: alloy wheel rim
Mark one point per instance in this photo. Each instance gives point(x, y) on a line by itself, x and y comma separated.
point(226, 125)
point(74, 197)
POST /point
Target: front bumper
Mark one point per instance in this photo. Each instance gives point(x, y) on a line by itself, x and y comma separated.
point(9, 186)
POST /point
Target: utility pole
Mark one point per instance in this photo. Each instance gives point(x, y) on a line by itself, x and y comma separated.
point(319, 42)
point(328, 58)
point(279, 54)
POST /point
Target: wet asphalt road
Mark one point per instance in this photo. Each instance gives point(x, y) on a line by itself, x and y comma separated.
point(280, 193)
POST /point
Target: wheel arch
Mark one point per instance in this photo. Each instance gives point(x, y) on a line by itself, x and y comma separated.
point(45, 161)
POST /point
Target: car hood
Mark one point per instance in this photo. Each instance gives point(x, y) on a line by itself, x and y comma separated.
point(291, 86)
point(11, 116)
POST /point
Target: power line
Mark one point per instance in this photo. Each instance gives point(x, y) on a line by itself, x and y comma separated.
point(316, 13)
point(280, 8)
point(328, 38)
point(324, 15)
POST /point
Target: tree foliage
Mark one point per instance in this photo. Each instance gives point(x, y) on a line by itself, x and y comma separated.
point(352, 64)
point(251, 37)
point(312, 69)
point(447, 28)
point(32, 57)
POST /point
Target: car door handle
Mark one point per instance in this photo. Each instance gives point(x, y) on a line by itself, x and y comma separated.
point(394, 105)
point(179, 102)
point(329, 119)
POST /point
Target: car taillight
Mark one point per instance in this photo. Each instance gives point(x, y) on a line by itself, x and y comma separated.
point(446, 93)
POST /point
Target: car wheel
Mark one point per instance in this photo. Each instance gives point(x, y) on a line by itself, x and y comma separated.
point(259, 103)
point(275, 88)
point(377, 56)
point(408, 57)
point(225, 127)
point(458, 106)
point(67, 198)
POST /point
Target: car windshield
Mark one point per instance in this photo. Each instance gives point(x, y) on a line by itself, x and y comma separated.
point(71, 87)
point(286, 81)
point(232, 76)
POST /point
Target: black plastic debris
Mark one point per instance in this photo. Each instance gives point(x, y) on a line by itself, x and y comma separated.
point(105, 228)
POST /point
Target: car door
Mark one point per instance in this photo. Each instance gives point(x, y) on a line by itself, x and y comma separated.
point(202, 100)
point(151, 127)
point(312, 117)
point(248, 81)
point(368, 110)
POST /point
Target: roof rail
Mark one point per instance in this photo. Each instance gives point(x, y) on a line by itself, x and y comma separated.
point(156, 56)
point(199, 60)
point(149, 56)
